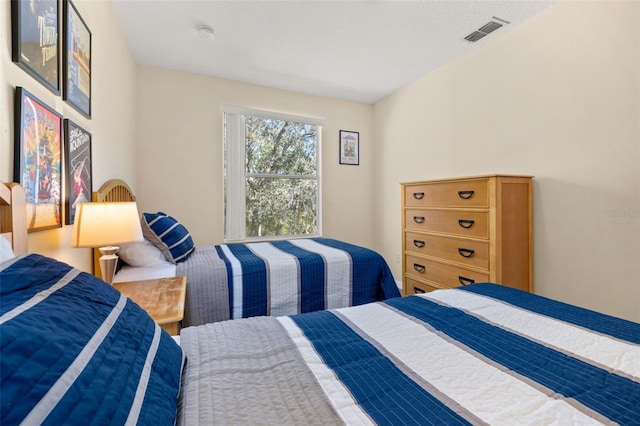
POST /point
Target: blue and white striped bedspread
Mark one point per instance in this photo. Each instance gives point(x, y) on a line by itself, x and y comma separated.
point(481, 354)
point(76, 351)
point(297, 276)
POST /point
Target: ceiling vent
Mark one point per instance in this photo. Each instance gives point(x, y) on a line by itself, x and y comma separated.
point(475, 36)
point(486, 29)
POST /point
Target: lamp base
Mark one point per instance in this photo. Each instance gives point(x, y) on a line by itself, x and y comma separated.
point(108, 262)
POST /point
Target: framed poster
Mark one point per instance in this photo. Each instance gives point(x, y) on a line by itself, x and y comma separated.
point(35, 40)
point(77, 60)
point(37, 160)
point(349, 147)
point(78, 173)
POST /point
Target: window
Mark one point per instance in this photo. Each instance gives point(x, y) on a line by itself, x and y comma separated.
point(272, 179)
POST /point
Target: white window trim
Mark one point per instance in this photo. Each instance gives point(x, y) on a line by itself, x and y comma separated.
point(230, 109)
point(235, 231)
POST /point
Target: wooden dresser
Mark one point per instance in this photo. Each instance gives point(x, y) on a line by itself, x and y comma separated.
point(465, 230)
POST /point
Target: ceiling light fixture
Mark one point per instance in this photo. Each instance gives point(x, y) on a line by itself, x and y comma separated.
point(206, 32)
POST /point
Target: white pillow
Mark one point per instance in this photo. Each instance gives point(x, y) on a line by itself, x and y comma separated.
point(142, 253)
point(6, 252)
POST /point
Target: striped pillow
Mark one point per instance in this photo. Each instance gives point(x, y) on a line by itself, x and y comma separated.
point(168, 235)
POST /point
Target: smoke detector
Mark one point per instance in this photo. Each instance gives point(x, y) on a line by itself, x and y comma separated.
point(206, 32)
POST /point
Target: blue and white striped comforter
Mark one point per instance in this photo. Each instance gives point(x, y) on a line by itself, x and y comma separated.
point(305, 275)
point(481, 354)
point(73, 350)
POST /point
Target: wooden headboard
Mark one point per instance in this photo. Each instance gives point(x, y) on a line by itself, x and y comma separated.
point(13, 216)
point(113, 190)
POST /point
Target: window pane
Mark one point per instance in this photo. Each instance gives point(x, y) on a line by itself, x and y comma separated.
point(280, 147)
point(276, 207)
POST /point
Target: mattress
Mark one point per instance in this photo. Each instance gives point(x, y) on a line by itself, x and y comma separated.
point(138, 273)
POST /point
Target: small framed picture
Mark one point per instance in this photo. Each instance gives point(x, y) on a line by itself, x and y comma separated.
point(349, 147)
point(77, 61)
point(38, 160)
point(78, 162)
point(35, 40)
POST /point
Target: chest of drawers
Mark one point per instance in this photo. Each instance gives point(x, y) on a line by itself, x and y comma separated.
point(465, 230)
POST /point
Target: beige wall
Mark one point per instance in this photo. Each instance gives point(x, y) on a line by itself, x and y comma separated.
point(179, 147)
point(112, 123)
point(557, 98)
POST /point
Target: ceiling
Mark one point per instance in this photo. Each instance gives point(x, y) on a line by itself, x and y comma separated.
point(354, 50)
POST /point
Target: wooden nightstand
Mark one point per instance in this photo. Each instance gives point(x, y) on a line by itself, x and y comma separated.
point(162, 298)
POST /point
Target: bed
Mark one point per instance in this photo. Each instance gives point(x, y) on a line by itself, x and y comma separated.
point(13, 223)
point(231, 281)
point(76, 351)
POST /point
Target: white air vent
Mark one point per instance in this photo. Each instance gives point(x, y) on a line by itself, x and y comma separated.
point(486, 29)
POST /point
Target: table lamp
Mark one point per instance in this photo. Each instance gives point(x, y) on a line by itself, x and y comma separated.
point(104, 225)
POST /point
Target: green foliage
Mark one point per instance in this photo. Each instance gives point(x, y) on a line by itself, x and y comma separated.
point(281, 185)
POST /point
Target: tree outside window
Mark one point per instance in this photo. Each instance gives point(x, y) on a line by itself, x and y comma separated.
point(277, 187)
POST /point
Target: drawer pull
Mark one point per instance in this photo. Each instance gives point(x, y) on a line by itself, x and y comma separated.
point(418, 219)
point(418, 243)
point(418, 195)
point(418, 290)
point(466, 252)
point(418, 267)
point(466, 223)
point(465, 195)
point(465, 280)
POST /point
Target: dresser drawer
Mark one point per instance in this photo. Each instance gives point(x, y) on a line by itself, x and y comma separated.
point(473, 193)
point(418, 287)
point(456, 222)
point(440, 273)
point(466, 252)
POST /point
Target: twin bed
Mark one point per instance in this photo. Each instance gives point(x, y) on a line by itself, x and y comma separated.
point(74, 350)
point(231, 281)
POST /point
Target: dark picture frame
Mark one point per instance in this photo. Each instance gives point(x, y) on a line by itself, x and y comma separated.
point(38, 160)
point(349, 147)
point(76, 57)
point(79, 172)
point(35, 40)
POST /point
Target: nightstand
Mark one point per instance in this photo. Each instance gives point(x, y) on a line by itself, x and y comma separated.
point(162, 298)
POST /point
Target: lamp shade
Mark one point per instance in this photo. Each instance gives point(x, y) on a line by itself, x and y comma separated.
point(104, 224)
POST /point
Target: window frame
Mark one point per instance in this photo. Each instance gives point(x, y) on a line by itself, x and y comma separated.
point(234, 171)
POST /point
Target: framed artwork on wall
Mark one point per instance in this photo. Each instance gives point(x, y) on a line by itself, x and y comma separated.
point(76, 57)
point(38, 160)
point(35, 40)
point(78, 173)
point(349, 147)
